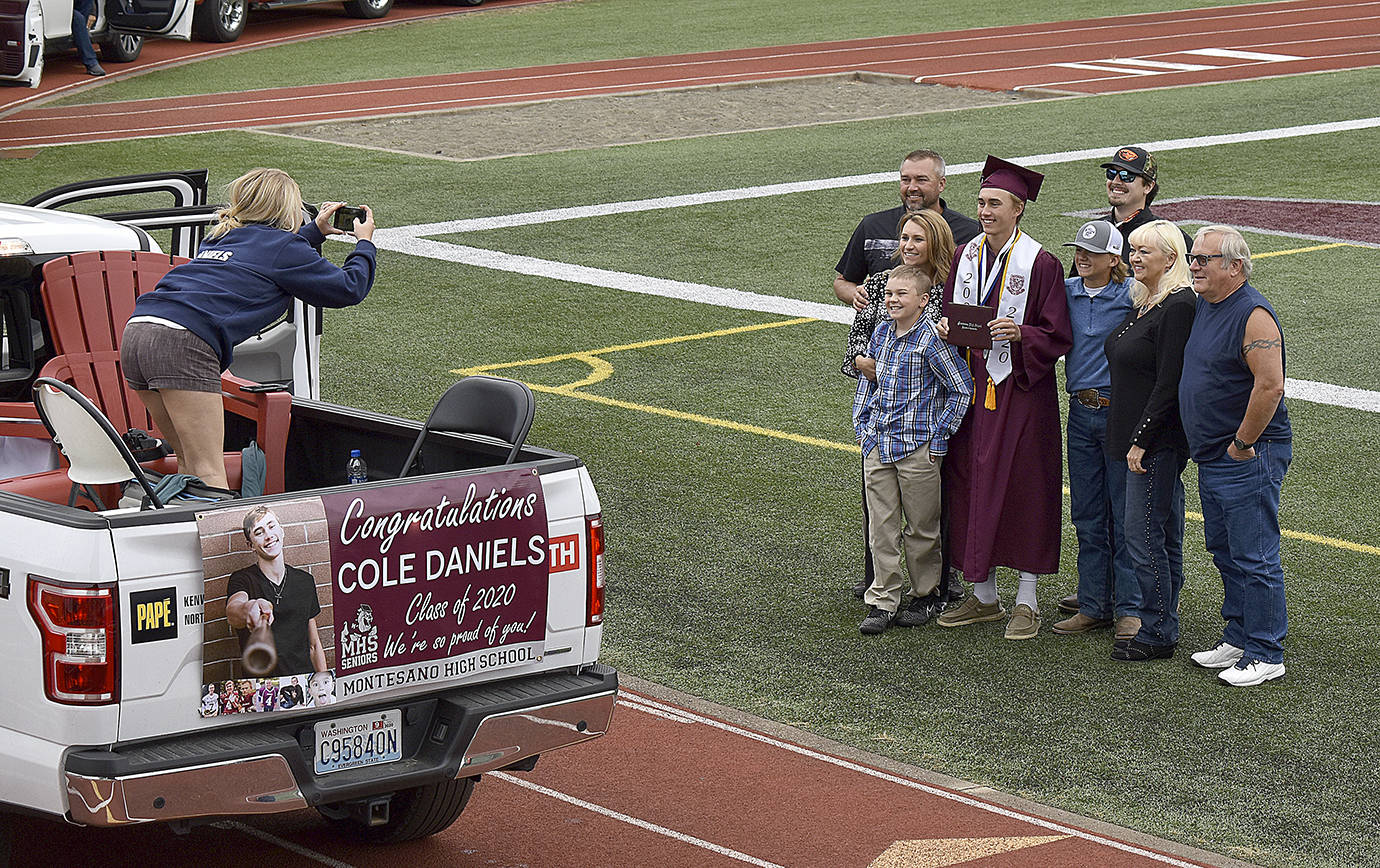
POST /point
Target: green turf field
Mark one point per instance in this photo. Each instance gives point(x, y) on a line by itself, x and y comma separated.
point(730, 489)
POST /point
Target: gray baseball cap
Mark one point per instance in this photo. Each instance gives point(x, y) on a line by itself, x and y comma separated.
point(1098, 236)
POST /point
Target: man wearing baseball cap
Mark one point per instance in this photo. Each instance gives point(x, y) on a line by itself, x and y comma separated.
point(1132, 183)
point(1099, 301)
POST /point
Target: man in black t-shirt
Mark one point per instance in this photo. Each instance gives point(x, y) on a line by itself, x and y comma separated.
point(869, 249)
point(284, 597)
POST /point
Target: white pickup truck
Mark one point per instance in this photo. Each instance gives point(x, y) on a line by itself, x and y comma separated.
point(461, 614)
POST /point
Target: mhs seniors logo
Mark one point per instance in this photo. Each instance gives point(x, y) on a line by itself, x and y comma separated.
point(359, 639)
point(1016, 285)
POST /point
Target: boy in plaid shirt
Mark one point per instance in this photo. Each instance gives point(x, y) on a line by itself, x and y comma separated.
point(903, 415)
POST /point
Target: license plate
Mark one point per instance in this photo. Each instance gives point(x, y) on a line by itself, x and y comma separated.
point(362, 740)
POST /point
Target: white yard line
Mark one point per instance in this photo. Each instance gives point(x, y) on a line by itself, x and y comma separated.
point(555, 215)
point(634, 821)
point(412, 240)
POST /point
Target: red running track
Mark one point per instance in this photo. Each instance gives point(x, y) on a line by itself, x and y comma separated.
point(668, 787)
point(1129, 52)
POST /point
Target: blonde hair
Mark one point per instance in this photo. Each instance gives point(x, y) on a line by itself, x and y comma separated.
point(914, 275)
point(1120, 270)
point(1167, 237)
point(267, 196)
point(939, 243)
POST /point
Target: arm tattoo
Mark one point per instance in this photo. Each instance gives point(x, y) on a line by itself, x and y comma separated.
point(1257, 345)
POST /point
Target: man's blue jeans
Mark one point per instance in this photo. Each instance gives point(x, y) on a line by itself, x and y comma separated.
point(1097, 501)
point(1155, 539)
point(1241, 524)
point(81, 37)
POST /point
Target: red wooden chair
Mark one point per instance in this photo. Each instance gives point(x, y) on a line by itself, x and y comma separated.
point(88, 297)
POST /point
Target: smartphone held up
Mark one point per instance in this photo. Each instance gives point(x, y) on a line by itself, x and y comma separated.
point(345, 217)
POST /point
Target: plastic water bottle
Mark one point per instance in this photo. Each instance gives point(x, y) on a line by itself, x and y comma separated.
point(355, 469)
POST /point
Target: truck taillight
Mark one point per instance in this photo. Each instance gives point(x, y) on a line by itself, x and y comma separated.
point(594, 535)
point(80, 645)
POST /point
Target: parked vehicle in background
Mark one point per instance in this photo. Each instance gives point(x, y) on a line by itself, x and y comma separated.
point(224, 20)
point(31, 30)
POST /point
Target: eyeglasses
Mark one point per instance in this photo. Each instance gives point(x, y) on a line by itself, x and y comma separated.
point(1126, 175)
point(1201, 259)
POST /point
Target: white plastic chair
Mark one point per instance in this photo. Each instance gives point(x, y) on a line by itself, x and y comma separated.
point(97, 452)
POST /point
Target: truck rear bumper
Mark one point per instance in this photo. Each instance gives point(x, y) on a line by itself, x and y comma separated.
point(268, 768)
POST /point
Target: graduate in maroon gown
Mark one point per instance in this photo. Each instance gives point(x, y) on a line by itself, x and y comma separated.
point(1003, 476)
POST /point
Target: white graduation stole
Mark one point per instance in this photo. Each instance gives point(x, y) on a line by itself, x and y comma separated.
point(1007, 286)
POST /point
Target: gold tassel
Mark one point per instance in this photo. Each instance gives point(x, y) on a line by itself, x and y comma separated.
point(991, 402)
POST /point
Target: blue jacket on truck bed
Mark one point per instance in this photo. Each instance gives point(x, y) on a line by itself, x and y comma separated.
point(240, 283)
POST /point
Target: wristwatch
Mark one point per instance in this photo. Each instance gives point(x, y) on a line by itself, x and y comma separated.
point(1242, 445)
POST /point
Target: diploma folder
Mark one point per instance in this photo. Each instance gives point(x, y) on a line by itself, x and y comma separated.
point(968, 325)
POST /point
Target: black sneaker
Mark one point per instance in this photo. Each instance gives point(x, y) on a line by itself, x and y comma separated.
point(876, 621)
point(954, 586)
point(860, 588)
point(918, 610)
point(95, 69)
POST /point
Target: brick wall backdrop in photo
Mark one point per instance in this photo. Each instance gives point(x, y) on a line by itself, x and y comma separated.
point(224, 550)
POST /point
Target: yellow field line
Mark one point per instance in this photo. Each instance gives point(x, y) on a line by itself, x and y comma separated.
point(1300, 250)
point(696, 417)
point(602, 369)
point(640, 345)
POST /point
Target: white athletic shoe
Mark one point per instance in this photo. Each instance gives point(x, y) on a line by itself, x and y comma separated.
point(1253, 673)
point(1221, 657)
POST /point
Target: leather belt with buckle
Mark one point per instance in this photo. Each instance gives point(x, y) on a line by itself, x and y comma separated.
point(1092, 399)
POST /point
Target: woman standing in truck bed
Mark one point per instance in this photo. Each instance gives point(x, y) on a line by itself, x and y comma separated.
point(256, 259)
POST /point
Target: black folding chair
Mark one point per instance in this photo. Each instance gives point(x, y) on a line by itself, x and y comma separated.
point(493, 407)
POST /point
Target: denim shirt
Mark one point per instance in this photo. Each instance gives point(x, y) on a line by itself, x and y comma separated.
point(1093, 318)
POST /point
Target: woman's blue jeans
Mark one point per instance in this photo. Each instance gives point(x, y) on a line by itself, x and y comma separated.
point(1155, 539)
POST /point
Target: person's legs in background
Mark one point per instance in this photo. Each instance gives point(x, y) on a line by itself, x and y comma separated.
point(82, 10)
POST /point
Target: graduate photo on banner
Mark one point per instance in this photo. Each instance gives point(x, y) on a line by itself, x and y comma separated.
point(268, 613)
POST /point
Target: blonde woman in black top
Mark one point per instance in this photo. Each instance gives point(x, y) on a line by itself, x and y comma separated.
point(1146, 354)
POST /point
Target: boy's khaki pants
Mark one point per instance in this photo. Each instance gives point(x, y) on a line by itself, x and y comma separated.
point(902, 500)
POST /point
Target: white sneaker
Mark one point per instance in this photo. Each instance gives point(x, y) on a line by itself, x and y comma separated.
point(1253, 673)
point(1221, 657)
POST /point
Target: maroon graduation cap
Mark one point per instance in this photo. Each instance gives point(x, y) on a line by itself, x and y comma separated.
point(1016, 180)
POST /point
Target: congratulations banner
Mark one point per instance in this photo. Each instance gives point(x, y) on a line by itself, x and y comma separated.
point(437, 579)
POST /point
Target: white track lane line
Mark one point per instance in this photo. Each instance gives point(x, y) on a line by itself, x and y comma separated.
point(916, 785)
point(1240, 55)
point(285, 844)
point(635, 705)
point(1224, 34)
point(634, 821)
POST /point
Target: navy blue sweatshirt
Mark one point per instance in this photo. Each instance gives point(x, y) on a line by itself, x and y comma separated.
point(243, 281)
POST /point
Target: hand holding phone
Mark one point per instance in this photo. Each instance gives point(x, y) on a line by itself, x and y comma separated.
point(345, 217)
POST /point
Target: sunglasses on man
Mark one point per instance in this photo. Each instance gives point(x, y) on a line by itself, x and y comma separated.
point(1201, 259)
point(1126, 175)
